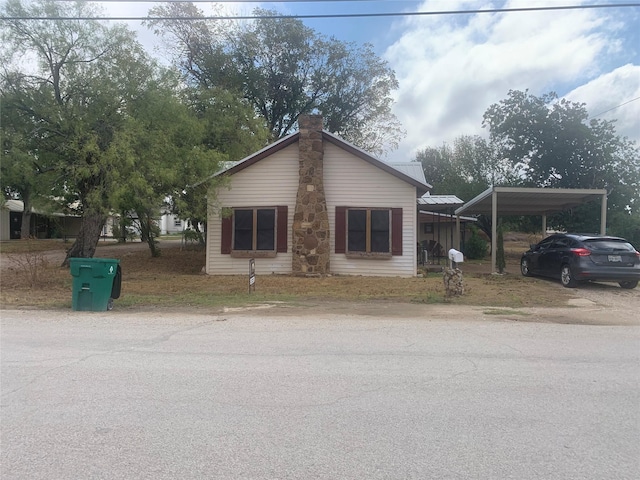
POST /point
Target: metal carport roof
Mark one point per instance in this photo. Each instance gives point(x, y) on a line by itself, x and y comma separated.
point(496, 201)
point(529, 201)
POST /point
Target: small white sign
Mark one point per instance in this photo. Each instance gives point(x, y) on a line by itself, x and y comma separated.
point(252, 274)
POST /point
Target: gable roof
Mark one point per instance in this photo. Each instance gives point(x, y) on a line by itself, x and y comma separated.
point(421, 186)
point(413, 169)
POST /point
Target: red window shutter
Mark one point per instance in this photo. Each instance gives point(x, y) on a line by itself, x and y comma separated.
point(227, 234)
point(396, 231)
point(340, 229)
point(283, 235)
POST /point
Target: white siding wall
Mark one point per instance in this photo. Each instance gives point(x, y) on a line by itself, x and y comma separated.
point(4, 224)
point(270, 182)
point(168, 224)
point(348, 181)
point(352, 182)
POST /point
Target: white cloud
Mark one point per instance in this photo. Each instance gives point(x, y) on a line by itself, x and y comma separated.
point(614, 95)
point(452, 68)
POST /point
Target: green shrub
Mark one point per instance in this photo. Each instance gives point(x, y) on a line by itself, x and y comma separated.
point(475, 247)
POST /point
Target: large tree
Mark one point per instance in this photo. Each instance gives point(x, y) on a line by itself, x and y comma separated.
point(464, 168)
point(84, 73)
point(552, 142)
point(285, 69)
point(230, 128)
point(544, 142)
point(161, 150)
point(23, 168)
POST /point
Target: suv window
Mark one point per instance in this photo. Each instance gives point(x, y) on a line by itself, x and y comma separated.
point(546, 243)
point(563, 242)
point(609, 244)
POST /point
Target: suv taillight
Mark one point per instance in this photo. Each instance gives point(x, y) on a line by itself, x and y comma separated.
point(581, 252)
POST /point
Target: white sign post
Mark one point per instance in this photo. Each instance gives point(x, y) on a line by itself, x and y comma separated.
point(252, 275)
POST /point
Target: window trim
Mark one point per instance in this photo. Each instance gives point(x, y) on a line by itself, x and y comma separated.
point(368, 231)
point(280, 233)
point(395, 232)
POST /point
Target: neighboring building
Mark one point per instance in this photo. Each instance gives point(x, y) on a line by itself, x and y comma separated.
point(43, 225)
point(312, 203)
point(170, 223)
point(437, 226)
point(11, 219)
point(436, 235)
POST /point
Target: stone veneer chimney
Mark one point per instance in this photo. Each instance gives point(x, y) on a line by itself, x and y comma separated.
point(310, 220)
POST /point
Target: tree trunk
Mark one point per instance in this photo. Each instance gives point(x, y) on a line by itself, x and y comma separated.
point(148, 232)
point(123, 227)
point(88, 237)
point(25, 228)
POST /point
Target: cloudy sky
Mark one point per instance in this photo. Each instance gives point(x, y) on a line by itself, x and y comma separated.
point(451, 68)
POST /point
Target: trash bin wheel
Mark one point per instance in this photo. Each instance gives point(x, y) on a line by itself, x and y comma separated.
point(110, 304)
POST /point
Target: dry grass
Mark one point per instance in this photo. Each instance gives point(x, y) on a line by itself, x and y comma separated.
point(174, 280)
point(33, 245)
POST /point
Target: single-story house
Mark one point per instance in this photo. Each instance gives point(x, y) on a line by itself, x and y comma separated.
point(170, 223)
point(43, 225)
point(11, 219)
point(313, 204)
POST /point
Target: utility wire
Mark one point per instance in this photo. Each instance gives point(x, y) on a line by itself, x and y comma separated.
point(242, 1)
point(343, 15)
point(613, 108)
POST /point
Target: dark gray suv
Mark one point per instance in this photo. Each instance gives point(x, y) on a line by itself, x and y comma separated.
point(574, 258)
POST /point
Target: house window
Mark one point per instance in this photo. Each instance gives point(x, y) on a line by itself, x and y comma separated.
point(254, 229)
point(369, 230)
point(260, 231)
point(428, 228)
point(177, 222)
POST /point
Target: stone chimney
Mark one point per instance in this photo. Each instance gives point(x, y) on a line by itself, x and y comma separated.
point(311, 219)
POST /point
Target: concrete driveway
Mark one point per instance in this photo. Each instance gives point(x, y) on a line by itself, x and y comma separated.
point(285, 394)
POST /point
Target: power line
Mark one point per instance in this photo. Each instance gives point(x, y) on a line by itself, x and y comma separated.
point(342, 15)
point(617, 106)
point(242, 1)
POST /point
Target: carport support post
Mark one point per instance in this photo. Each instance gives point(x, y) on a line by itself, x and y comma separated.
point(494, 227)
point(544, 225)
point(456, 238)
point(603, 215)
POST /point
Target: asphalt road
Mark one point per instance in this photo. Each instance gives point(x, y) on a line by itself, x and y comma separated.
point(249, 395)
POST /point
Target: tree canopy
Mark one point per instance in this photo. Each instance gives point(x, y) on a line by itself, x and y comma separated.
point(114, 131)
point(552, 142)
point(285, 69)
point(545, 142)
point(70, 98)
point(465, 168)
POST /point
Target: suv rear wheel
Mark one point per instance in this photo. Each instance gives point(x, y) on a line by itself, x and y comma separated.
point(566, 277)
point(524, 267)
point(630, 284)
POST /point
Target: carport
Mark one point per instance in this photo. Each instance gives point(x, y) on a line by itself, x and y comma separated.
point(496, 201)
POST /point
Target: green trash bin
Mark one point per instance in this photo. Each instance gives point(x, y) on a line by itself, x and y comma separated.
point(93, 282)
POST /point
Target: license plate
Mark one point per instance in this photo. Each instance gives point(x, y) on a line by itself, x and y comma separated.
point(615, 258)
